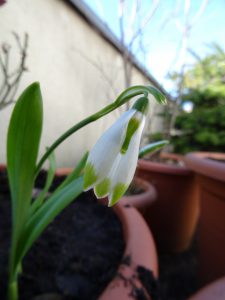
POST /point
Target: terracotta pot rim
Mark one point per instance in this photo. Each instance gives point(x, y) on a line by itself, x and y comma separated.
point(139, 243)
point(143, 199)
point(2, 167)
point(199, 162)
point(171, 155)
point(163, 168)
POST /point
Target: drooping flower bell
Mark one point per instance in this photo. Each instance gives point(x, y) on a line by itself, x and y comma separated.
point(112, 162)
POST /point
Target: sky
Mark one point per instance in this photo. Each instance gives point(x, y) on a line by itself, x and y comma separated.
point(162, 38)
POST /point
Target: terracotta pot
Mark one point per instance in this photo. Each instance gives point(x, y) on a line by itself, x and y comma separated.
point(2, 167)
point(213, 291)
point(143, 200)
point(140, 247)
point(211, 179)
point(63, 171)
point(173, 217)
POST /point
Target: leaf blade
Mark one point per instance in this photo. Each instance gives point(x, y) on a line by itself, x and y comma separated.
point(152, 147)
point(23, 140)
point(47, 212)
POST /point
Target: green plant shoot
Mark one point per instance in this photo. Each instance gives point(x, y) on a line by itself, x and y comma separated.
point(30, 218)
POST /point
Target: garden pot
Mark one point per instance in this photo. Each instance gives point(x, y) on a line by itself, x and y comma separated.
point(211, 179)
point(2, 167)
point(63, 171)
point(140, 251)
point(173, 217)
point(213, 291)
point(140, 254)
point(136, 274)
point(143, 199)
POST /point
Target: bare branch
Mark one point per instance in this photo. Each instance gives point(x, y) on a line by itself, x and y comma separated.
point(12, 79)
point(199, 13)
point(144, 23)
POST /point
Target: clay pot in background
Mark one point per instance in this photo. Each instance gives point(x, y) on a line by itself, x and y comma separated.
point(213, 291)
point(211, 179)
point(173, 217)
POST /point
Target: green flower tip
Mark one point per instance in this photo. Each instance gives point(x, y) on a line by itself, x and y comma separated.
point(141, 105)
point(117, 193)
point(90, 176)
point(102, 189)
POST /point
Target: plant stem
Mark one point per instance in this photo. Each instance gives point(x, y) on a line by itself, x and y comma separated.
point(13, 290)
point(72, 130)
point(124, 97)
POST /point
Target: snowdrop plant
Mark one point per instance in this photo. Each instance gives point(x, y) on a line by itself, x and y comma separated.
point(109, 174)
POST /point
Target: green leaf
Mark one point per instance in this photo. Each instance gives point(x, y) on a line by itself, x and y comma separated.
point(22, 149)
point(47, 212)
point(152, 147)
point(51, 173)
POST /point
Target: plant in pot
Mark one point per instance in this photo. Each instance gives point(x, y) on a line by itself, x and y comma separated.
point(173, 217)
point(210, 170)
point(107, 175)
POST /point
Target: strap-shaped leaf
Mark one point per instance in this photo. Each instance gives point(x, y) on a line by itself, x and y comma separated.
point(152, 147)
point(51, 173)
point(22, 149)
point(47, 212)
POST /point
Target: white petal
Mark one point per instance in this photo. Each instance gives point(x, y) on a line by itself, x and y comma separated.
point(105, 151)
point(123, 172)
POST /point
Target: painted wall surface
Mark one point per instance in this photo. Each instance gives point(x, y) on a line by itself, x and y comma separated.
point(79, 72)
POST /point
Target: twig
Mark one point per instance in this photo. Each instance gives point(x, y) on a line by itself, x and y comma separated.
point(11, 79)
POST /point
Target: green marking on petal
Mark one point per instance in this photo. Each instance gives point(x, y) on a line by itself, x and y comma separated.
point(118, 192)
point(131, 128)
point(90, 176)
point(102, 189)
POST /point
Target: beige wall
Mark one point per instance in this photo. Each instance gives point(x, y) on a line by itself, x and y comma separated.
point(72, 62)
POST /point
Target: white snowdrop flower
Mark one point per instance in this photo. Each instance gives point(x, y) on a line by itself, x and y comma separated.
point(112, 161)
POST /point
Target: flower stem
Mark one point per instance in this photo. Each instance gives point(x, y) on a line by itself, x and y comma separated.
point(72, 130)
point(124, 97)
point(13, 290)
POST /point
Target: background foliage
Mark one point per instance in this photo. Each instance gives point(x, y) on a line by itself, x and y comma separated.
point(202, 129)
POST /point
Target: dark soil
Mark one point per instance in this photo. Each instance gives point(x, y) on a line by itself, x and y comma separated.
point(134, 190)
point(77, 256)
point(79, 253)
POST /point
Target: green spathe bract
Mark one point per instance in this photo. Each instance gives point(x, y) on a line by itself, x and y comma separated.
point(30, 218)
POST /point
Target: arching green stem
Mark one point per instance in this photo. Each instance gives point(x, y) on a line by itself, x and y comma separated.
point(124, 97)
